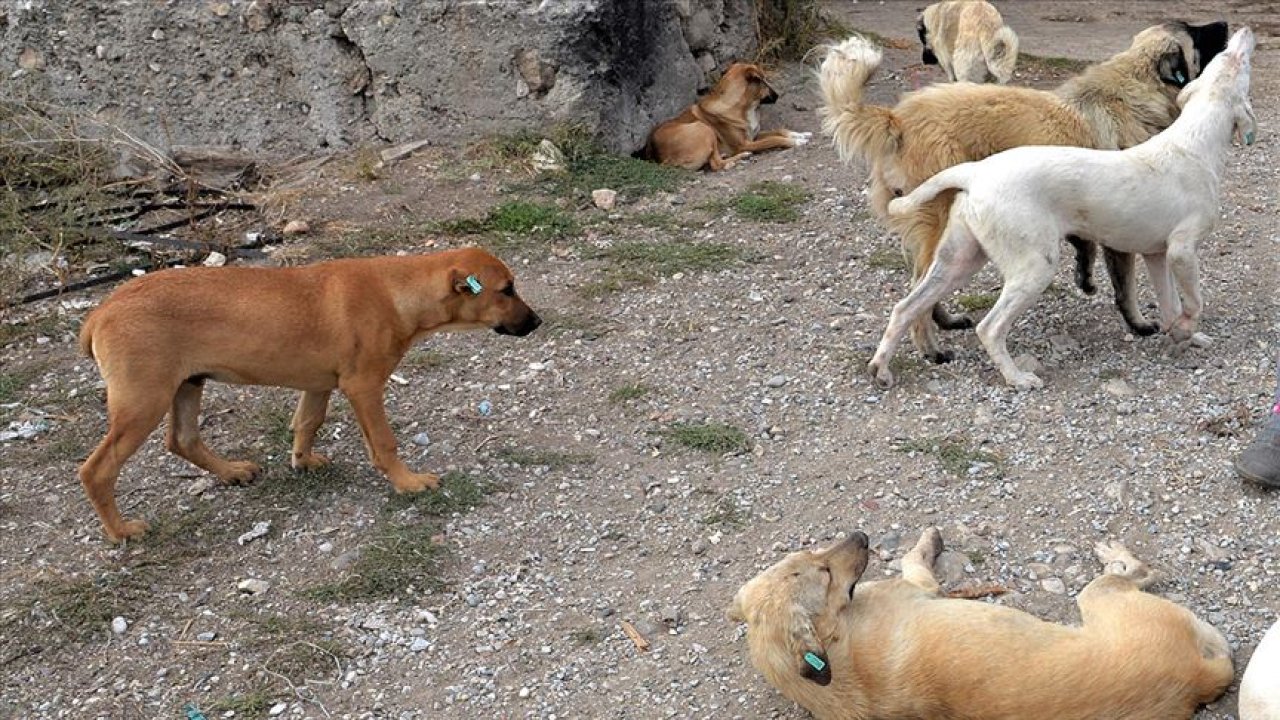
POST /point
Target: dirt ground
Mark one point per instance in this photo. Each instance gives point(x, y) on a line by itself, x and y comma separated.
point(573, 506)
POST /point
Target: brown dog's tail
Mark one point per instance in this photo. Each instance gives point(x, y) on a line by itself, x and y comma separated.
point(868, 131)
point(1001, 54)
point(86, 335)
point(956, 177)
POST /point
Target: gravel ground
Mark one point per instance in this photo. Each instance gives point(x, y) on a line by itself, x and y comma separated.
point(615, 522)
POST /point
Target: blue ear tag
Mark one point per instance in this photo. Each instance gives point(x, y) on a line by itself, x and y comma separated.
point(1177, 75)
point(1248, 138)
point(474, 284)
point(814, 661)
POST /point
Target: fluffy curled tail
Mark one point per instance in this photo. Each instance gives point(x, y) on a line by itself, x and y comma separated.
point(866, 131)
point(1002, 54)
point(955, 177)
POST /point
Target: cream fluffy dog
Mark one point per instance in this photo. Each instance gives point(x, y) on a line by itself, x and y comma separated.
point(1113, 105)
point(969, 40)
point(1158, 199)
point(1260, 687)
point(898, 648)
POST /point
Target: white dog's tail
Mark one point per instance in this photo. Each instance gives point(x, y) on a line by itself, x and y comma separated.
point(955, 177)
point(868, 131)
point(1002, 54)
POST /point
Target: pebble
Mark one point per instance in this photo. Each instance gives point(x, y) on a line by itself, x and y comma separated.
point(119, 625)
point(418, 645)
point(215, 259)
point(1117, 387)
point(278, 709)
point(1054, 585)
point(253, 586)
point(604, 198)
point(473, 600)
point(345, 560)
point(296, 227)
point(206, 636)
point(776, 381)
point(421, 439)
point(325, 547)
point(523, 693)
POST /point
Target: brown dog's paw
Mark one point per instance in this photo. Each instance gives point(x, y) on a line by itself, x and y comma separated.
point(127, 529)
point(313, 461)
point(240, 472)
point(416, 482)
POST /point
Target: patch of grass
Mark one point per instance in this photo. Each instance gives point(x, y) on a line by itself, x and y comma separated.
point(366, 165)
point(973, 302)
point(659, 220)
point(584, 326)
point(787, 29)
point(718, 438)
point(955, 454)
point(976, 557)
point(552, 459)
point(516, 218)
point(887, 259)
point(627, 393)
point(726, 513)
point(307, 659)
point(251, 704)
point(767, 201)
point(425, 359)
point(281, 481)
point(1045, 64)
point(13, 383)
point(362, 242)
point(637, 263)
point(83, 609)
point(458, 493)
point(582, 637)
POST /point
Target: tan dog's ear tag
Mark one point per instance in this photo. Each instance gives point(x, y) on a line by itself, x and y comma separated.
point(817, 669)
point(474, 284)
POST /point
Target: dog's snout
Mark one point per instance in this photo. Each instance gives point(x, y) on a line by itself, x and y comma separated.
point(771, 98)
point(858, 539)
point(527, 325)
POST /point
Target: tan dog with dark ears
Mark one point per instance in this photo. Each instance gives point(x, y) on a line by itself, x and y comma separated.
point(725, 120)
point(899, 648)
point(338, 325)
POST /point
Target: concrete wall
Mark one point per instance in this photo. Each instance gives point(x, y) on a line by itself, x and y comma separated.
point(293, 76)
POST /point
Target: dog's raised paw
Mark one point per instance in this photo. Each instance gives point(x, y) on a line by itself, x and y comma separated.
point(416, 482)
point(882, 375)
point(1026, 381)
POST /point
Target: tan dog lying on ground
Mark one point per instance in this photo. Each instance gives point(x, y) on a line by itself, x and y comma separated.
point(341, 325)
point(1114, 105)
point(969, 40)
point(724, 120)
point(899, 649)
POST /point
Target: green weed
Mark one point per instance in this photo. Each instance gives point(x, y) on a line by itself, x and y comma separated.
point(717, 438)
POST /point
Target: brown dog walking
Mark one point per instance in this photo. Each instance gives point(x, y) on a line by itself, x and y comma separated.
point(343, 324)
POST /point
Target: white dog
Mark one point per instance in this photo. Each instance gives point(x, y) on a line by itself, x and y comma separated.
point(1260, 688)
point(1157, 199)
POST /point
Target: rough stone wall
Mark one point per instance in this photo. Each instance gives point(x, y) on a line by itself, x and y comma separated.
point(291, 76)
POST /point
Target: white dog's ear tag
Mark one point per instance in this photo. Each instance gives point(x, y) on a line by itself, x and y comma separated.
point(1248, 137)
point(1177, 75)
point(474, 284)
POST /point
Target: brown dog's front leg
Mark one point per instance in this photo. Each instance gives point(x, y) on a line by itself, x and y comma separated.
point(367, 402)
point(772, 140)
point(312, 408)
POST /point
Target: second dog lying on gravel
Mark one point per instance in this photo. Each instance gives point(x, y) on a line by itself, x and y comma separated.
point(1159, 199)
point(846, 650)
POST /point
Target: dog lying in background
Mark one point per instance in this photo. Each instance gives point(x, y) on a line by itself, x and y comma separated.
point(340, 325)
point(1260, 687)
point(969, 40)
point(1116, 104)
point(725, 120)
point(897, 648)
point(1158, 199)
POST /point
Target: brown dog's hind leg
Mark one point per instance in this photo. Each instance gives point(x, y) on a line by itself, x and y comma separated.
point(917, 565)
point(367, 402)
point(183, 439)
point(312, 408)
point(1121, 271)
point(131, 416)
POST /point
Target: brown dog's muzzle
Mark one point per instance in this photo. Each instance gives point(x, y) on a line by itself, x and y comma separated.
point(521, 327)
point(771, 98)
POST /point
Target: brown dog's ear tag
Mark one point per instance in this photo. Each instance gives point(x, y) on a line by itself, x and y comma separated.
point(816, 668)
point(468, 285)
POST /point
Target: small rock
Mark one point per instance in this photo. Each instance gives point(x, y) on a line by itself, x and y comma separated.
point(421, 439)
point(220, 9)
point(207, 636)
point(776, 381)
point(672, 616)
point(1117, 387)
point(30, 59)
point(157, 34)
point(374, 622)
point(1027, 362)
point(949, 567)
point(253, 586)
point(548, 158)
point(524, 693)
point(485, 408)
point(257, 16)
point(473, 600)
point(699, 546)
point(119, 625)
point(418, 645)
point(202, 485)
point(345, 560)
point(296, 227)
point(1054, 585)
point(604, 198)
point(260, 528)
point(325, 547)
point(278, 709)
point(215, 259)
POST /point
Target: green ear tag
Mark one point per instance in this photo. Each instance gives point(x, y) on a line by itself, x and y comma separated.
point(1178, 76)
point(814, 661)
point(474, 284)
point(1248, 138)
